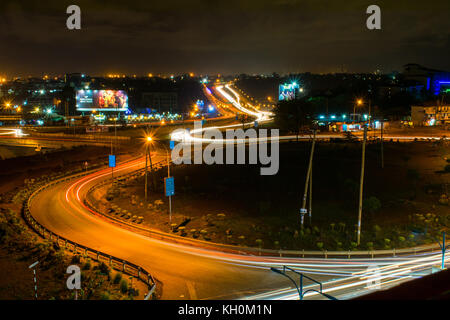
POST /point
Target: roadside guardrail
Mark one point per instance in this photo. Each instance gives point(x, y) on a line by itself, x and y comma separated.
point(114, 262)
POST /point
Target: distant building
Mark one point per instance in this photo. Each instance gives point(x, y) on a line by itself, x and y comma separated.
point(436, 81)
point(430, 115)
point(160, 101)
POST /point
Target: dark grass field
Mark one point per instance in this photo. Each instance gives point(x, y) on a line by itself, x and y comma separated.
point(267, 207)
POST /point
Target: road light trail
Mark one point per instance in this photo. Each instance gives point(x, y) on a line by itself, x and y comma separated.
point(62, 210)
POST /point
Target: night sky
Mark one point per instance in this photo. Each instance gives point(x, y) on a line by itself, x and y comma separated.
point(227, 37)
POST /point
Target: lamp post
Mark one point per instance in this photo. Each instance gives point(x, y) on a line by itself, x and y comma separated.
point(361, 184)
point(308, 177)
point(147, 154)
point(359, 102)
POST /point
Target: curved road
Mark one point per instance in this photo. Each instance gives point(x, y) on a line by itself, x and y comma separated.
point(195, 273)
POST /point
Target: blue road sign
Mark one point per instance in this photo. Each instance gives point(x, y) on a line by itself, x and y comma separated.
point(112, 161)
point(172, 144)
point(256, 124)
point(203, 122)
point(169, 184)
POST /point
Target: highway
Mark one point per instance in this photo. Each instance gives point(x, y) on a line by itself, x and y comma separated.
point(188, 272)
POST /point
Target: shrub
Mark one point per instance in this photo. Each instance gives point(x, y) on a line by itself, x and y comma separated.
point(104, 296)
point(372, 204)
point(104, 268)
point(320, 245)
point(447, 168)
point(123, 286)
point(87, 266)
point(117, 278)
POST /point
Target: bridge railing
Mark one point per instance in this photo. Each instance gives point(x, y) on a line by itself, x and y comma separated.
point(115, 263)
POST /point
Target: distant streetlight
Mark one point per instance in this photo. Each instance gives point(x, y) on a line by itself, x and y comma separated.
point(358, 103)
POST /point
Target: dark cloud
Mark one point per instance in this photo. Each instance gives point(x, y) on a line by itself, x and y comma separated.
point(205, 36)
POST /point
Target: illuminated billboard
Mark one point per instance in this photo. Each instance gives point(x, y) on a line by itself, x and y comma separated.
point(288, 92)
point(102, 100)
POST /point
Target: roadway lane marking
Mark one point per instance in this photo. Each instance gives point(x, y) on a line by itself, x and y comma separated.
point(191, 289)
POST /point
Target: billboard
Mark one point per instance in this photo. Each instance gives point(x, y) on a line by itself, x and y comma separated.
point(288, 92)
point(102, 100)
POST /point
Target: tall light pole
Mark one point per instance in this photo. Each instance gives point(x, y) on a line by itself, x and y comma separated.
point(147, 154)
point(359, 102)
point(382, 150)
point(308, 177)
point(170, 197)
point(361, 184)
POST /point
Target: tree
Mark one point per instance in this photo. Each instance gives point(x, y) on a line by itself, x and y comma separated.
point(294, 115)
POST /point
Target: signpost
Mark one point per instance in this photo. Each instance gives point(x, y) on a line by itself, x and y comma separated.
point(169, 186)
point(112, 165)
point(35, 280)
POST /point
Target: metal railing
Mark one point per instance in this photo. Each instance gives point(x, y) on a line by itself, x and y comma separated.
point(114, 262)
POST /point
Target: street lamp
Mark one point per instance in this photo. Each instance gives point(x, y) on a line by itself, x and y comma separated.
point(358, 103)
point(149, 140)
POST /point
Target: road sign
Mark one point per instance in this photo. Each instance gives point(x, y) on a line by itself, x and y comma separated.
point(172, 144)
point(33, 265)
point(256, 124)
point(112, 161)
point(203, 122)
point(303, 211)
point(169, 184)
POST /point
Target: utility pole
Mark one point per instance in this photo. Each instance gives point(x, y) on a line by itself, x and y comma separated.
point(112, 168)
point(308, 176)
point(382, 151)
point(361, 185)
point(147, 154)
point(443, 251)
point(310, 197)
point(146, 170)
point(170, 197)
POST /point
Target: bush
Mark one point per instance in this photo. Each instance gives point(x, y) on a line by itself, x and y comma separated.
point(123, 286)
point(104, 268)
point(75, 259)
point(87, 266)
point(372, 204)
point(104, 296)
point(117, 278)
point(447, 168)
